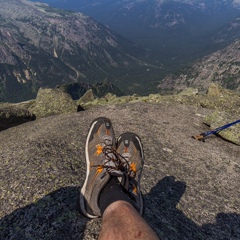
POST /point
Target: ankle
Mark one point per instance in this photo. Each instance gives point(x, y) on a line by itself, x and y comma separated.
point(111, 193)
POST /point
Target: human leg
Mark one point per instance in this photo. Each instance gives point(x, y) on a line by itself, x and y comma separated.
point(112, 185)
point(121, 221)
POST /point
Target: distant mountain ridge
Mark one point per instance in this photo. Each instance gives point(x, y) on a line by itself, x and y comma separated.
point(42, 46)
point(177, 32)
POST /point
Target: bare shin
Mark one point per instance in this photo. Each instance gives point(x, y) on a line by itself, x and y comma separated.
point(121, 221)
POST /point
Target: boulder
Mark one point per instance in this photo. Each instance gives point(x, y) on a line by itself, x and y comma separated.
point(52, 102)
point(214, 90)
point(109, 96)
point(87, 97)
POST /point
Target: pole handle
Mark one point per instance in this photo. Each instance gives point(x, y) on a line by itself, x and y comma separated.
point(199, 137)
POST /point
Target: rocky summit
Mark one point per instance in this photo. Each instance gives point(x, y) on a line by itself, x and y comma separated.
point(190, 188)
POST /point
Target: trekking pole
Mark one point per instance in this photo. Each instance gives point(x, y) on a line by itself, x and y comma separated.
point(201, 136)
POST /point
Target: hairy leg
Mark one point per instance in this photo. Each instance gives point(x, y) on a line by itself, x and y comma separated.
point(122, 222)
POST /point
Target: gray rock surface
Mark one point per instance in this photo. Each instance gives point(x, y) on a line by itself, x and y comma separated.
point(190, 188)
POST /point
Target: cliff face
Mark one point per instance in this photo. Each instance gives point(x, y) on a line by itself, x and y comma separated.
point(42, 46)
point(190, 188)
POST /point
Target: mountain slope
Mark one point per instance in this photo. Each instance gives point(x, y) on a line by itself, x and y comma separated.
point(178, 32)
point(42, 46)
point(222, 67)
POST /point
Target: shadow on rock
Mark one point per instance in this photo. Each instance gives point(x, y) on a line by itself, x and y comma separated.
point(171, 223)
point(55, 217)
point(52, 217)
point(13, 121)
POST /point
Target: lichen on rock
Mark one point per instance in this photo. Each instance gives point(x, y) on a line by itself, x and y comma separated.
point(52, 102)
point(189, 92)
point(214, 90)
point(218, 119)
